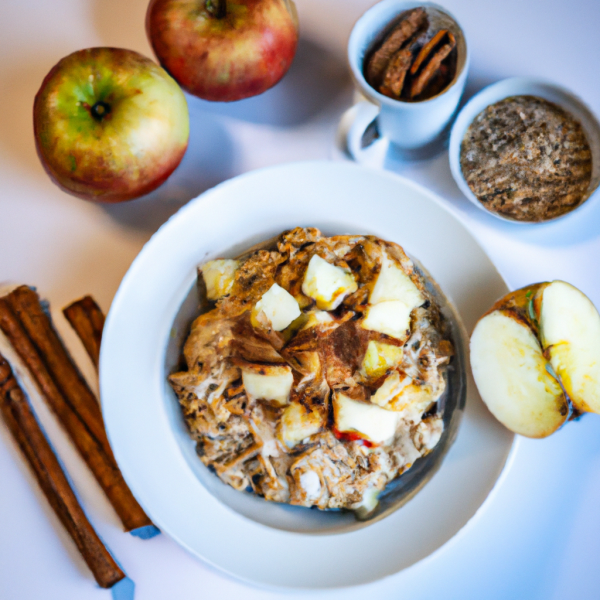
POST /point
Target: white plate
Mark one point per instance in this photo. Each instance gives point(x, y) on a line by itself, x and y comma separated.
point(144, 423)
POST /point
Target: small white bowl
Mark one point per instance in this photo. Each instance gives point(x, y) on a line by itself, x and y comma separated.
point(523, 86)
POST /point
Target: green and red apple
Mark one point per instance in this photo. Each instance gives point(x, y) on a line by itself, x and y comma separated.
point(535, 357)
point(224, 50)
point(110, 124)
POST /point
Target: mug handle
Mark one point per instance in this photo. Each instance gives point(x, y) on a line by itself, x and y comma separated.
point(365, 113)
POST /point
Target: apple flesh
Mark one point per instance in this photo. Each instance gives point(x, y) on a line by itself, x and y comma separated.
point(327, 284)
point(392, 301)
point(110, 125)
point(277, 307)
point(535, 355)
point(224, 51)
point(367, 421)
point(509, 368)
point(272, 383)
point(570, 335)
point(297, 423)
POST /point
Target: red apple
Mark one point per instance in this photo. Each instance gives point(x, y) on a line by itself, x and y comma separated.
point(224, 50)
point(109, 124)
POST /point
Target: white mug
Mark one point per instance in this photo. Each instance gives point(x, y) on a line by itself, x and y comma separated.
point(416, 129)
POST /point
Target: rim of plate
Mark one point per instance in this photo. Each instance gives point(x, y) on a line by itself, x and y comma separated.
point(139, 420)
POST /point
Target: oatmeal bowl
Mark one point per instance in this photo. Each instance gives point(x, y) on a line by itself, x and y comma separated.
point(276, 381)
point(319, 372)
point(526, 151)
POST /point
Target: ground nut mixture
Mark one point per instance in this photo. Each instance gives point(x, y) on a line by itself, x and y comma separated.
point(314, 378)
point(527, 159)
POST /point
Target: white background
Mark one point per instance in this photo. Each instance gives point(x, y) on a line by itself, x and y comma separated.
point(540, 535)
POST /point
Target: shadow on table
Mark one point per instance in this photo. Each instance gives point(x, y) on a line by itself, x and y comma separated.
point(313, 82)
point(16, 117)
point(311, 86)
point(208, 161)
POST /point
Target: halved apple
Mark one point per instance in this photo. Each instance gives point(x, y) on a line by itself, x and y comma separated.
point(511, 374)
point(535, 353)
point(570, 334)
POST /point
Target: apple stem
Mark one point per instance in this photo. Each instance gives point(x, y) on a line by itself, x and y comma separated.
point(216, 8)
point(100, 110)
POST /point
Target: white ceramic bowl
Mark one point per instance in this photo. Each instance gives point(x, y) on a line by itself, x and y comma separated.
point(268, 543)
point(519, 86)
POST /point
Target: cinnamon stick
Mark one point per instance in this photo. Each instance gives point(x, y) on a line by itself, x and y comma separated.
point(87, 319)
point(22, 423)
point(30, 332)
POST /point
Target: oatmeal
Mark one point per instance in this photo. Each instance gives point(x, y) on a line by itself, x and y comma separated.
point(314, 379)
point(527, 159)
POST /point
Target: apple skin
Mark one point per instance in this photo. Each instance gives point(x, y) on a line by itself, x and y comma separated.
point(240, 55)
point(127, 151)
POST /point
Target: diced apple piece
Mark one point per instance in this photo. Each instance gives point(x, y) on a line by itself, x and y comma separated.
point(369, 502)
point(369, 421)
point(219, 276)
point(511, 376)
point(392, 300)
point(379, 358)
point(269, 382)
point(316, 318)
point(391, 318)
point(278, 306)
point(327, 284)
point(401, 394)
point(297, 423)
point(570, 332)
point(394, 284)
point(390, 388)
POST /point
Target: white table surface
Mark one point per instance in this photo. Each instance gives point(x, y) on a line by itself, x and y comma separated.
point(539, 538)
